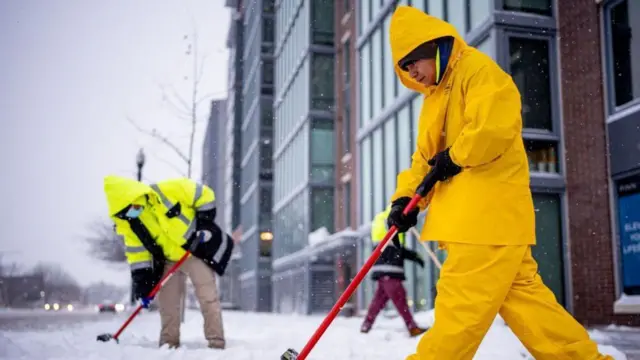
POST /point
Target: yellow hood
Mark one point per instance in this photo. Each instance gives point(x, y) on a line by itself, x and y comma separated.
point(411, 28)
point(121, 192)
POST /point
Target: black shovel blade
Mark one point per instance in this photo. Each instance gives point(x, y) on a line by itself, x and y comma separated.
point(106, 338)
point(290, 354)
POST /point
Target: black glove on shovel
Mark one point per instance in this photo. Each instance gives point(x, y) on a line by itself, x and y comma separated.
point(443, 166)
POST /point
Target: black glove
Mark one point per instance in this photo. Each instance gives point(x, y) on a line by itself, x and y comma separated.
point(413, 256)
point(402, 222)
point(443, 166)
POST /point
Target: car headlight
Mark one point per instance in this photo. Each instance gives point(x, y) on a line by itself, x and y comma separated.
point(70, 307)
point(119, 307)
point(56, 306)
point(47, 306)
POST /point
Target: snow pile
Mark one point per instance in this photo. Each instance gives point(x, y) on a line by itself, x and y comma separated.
point(250, 336)
point(319, 236)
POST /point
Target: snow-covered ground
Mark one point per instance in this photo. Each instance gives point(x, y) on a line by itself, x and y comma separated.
point(250, 336)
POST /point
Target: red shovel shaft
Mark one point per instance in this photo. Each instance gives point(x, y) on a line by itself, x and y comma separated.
point(354, 284)
point(153, 293)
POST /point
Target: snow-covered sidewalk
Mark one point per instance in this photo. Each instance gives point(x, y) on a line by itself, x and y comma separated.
point(250, 336)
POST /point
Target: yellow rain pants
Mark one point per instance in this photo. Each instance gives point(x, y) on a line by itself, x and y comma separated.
point(479, 281)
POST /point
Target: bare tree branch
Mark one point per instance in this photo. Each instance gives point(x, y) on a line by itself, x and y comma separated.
point(170, 164)
point(104, 243)
point(155, 134)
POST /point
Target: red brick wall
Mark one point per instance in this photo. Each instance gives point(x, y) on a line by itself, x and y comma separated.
point(590, 237)
point(345, 165)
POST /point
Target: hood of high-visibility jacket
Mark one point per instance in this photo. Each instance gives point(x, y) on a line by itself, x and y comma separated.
point(475, 110)
point(122, 192)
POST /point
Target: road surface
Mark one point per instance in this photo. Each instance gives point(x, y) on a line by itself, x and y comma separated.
point(28, 320)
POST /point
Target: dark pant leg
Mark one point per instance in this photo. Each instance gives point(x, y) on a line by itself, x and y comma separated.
point(378, 302)
point(396, 292)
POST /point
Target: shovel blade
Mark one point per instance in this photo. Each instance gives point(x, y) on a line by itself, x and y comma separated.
point(106, 338)
point(290, 354)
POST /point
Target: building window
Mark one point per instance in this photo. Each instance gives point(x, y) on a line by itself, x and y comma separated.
point(346, 62)
point(376, 74)
point(267, 29)
point(390, 162)
point(322, 82)
point(378, 171)
point(346, 98)
point(347, 6)
point(267, 77)
point(265, 206)
point(365, 84)
point(629, 234)
point(365, 181)
point(488, 46)
point(322, 209)
point(548, 251)
point(365, 14)
point(404, 138)
point(346, 203)
point(266, 159)
point(625, 72)
point(456, 15)
point(540, 7)
point(322, 153)
point(322, 22)
point(529, 67)
point(542, 156)
point(388, 66)
point(479, 12)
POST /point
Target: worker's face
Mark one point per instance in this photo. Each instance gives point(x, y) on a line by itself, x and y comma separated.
point(423, 71)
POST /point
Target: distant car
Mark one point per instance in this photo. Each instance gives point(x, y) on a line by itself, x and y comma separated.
point(110, 308)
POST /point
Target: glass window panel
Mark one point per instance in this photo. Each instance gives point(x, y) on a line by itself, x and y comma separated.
point(322, 22)
point(322, 153)
point(405, 140)
point(530, 71)
point(378, 169)
point(387, 66)
point(419, 4)
point(376, 79)
point(366, 186)
point(375, 7)
point(365, 14)
point(436, 8)
point(346, 62)
point(541, 7)
point(365, 85)
point(416, 107)
point(267, 29)
point(390, 150)
point(406, 2)
point(346, 203)
point(457, 15)
point(625, 50)
point(322, 209)
point(542, 156)
point(549, 248)
point(479, 11)
point(322, 82)
point(488, 46)
point(266, 201)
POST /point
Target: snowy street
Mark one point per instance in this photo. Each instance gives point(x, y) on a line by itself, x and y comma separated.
point(250, 336)
point(28, 320)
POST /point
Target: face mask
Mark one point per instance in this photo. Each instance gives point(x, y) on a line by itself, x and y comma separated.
point(134, 211)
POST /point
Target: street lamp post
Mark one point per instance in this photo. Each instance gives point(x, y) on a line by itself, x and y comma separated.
point(140, 158)
point(140, 162)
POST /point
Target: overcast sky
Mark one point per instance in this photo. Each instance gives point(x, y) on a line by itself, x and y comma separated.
point(70, 73)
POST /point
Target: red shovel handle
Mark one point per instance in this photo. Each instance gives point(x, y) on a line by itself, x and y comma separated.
point(425, 186)
point(153, 293)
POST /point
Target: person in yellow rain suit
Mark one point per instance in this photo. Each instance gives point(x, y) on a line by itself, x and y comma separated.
point(159, 222)
point(481, 210)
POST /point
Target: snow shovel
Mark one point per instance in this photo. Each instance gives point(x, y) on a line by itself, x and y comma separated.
point(432, 255)
point(159, 285)
point(423, 189)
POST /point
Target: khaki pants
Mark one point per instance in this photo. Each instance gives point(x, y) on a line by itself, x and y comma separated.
point(170, 296)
